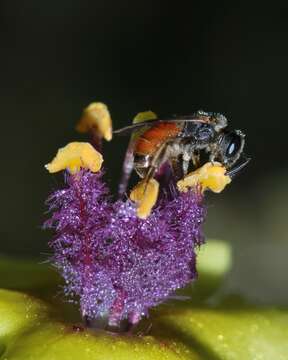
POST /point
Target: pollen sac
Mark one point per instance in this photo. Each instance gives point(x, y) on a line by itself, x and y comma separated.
point(209, 176)
point(140, 117)
point(145, 196)
point(96, 117)
point(144, 116)
point(74, 156)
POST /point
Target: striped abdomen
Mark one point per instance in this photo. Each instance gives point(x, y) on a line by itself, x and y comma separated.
point(154, 137)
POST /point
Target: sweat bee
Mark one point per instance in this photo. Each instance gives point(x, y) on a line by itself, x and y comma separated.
point(181, 141)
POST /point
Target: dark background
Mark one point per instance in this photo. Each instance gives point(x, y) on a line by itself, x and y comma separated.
point(58, 56)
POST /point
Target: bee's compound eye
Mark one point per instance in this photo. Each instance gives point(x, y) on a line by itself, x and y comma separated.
point(233, 144)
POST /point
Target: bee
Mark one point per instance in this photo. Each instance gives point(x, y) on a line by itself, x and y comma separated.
point(181, 141)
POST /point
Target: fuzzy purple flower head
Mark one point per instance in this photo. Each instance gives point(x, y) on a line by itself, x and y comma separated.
point(116, 264)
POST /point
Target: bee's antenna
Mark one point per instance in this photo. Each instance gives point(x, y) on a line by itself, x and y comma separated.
point(235, 171)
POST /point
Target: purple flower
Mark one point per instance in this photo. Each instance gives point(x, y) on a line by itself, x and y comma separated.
point(116, 264)
point(81, 216)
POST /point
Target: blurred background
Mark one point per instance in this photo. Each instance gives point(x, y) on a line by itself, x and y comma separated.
point(58, 56)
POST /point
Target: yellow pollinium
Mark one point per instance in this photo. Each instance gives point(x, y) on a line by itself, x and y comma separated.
point(96, 116)
point(140, 117)
point(74, 156)
point(145, 196)
point(144, 116)
point(209, 176)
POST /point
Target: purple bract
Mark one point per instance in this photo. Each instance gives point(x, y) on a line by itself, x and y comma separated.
point(116, 264)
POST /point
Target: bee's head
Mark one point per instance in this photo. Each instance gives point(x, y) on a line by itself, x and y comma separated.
point(230, 147)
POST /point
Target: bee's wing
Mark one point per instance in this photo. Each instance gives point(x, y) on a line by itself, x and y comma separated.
point(127, 168)
point(128, 129)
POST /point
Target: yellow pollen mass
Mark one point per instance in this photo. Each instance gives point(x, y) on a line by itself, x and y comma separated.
point(144, 116)
point(209, 176)
point(145, 196)
point(74, 156)
point(96, 116)
point(140, 117)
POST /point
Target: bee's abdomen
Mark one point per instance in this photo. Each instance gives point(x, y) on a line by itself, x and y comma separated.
point(154, 137)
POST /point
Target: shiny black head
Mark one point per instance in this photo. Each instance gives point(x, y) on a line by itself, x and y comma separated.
point(230, 147)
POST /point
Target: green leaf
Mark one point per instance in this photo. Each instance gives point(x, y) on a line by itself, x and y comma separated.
point(36, 330)
point(221, 333)
point(29, 330)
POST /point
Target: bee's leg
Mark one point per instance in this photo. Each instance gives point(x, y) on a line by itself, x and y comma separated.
point(185, 166)
point(186, 158)
point(196, 159)
point(213, 153)
point(158, 159)
point(189, 154)
point(127, 169)
point(177, 168)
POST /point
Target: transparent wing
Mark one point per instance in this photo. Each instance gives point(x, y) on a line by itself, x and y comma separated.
point(127, 168)
point(128, 129)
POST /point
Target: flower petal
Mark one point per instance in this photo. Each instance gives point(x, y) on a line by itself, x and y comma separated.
point(74, 156)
